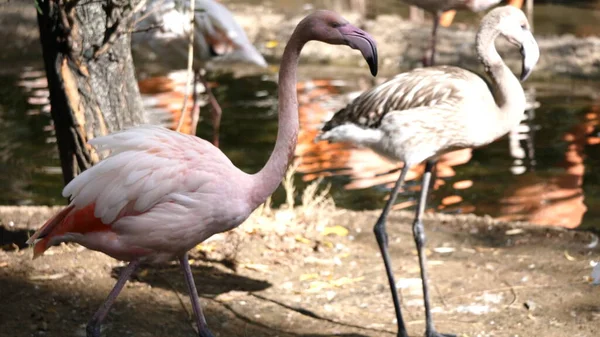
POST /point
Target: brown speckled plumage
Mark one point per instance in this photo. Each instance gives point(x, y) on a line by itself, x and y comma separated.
point(423, 87)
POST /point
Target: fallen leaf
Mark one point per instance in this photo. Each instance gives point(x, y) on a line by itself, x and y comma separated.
point(257, 267)
point(336, 230)
point(303, 239)
point(569, 257)
point(317, 286)
point(305, 277)
point(328, 244)
point(444, 250)
point(514, 231)
point(346, 280)
point(48, 277)
point(271, 44)
point(205, 248)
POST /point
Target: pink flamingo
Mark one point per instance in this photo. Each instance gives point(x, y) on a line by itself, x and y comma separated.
point(159, 192)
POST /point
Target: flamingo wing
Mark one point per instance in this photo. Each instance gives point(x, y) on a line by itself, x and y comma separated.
point(145, 164)
point(423, 87)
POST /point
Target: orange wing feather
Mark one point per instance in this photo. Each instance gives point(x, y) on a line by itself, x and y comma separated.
point(68, 220)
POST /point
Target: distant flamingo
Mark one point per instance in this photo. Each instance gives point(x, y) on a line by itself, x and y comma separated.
point(159, 192)
point(448, 16)
point(422, 114)
point(218, 38)
point(437, 7)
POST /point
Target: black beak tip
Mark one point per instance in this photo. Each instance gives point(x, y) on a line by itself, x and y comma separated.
point(358, 39)
point(525, 72)
point(374, 59)
point(373, 66)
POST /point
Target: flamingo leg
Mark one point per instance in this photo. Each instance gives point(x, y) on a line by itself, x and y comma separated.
point(93, 326)
point(189, 279)
point(382, 241)
point(216, 111)
point(434, 171)
point(419, 236)
point(436, 24)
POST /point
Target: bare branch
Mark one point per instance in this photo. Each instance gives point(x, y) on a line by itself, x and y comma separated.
point(145, 29)
point(119, 28)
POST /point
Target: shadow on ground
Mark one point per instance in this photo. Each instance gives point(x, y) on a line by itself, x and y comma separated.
point(491, 279)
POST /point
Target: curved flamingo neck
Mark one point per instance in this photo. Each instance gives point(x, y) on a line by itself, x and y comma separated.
point(270, 176)
point(506, 88)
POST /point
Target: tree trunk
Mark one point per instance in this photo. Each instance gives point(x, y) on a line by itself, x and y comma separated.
point(87, 57)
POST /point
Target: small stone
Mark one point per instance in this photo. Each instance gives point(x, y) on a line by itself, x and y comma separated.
point(530, 305)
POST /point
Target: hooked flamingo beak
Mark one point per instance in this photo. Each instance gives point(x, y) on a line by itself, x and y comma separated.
point(531, 54)
point(358, 39)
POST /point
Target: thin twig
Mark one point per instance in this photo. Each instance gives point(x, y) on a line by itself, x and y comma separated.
point(121, 27)
point(148, 12)
point(437, 290)
point(514, 293)
point(513, 288)
point(190, 64)
point(308, 313)
point(146, 29)
point(188, 314)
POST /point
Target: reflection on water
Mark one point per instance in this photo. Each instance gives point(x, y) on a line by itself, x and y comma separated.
point(558, 200)
point(26, 154)
point(537, 173)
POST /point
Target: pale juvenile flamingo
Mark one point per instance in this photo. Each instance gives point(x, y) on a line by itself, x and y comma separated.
point(427, 112)
point(164, 32)
point(159, 192)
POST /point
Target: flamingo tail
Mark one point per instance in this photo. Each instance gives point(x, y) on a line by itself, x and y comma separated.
point(68, 220)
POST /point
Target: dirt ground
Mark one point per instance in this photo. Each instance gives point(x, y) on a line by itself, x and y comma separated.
point(296, 275)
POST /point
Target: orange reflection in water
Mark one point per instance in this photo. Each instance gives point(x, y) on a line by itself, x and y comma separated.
point(317, 101)
point(163, 97)
point(558, 200)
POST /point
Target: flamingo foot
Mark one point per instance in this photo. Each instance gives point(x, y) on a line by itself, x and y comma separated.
point(433, 333)
point(402, 333)
point(92, 330)
point(205, 333)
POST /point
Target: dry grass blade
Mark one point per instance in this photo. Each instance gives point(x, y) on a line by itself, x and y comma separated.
point(313, 199)
point(288, 184)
